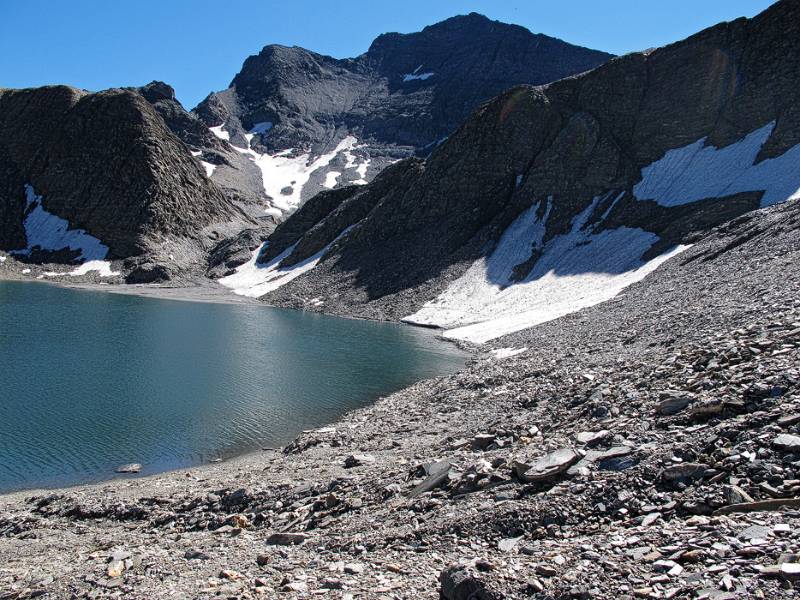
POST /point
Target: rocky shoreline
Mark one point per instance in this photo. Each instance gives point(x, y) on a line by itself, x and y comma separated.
point(647, 447)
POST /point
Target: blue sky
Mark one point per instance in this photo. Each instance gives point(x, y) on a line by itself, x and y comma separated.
point(198, 46)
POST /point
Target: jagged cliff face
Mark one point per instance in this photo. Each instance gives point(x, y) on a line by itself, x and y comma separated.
point(94, 176)
point(312, 122)
point(557, 197)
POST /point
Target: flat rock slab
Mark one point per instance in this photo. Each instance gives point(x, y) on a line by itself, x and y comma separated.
point(434, 480)
point(286, 539)
point(673, 404)
point(683, 473)
point(593, 438)
point(548, 466)
point(787, 442)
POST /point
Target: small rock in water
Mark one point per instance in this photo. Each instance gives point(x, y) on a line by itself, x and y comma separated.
point(129, 468)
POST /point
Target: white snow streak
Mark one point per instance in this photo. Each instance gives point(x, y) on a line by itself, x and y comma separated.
point(49, 232)
point(220, 133)
point(417, 76)
point(575, 270)
point(208, 167)
point(697, 172)
point(254, 280)
point(331, 179)
point(282, 173)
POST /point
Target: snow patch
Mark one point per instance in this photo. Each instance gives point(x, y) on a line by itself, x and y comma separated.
point(3, 259)
point(282, 173)
point(220, 133)
point(361, 169)
point(49, 232)
point(575, 270)
point(208, 167)
point(331, 179)
point(697, 172)
point(254, 280)
point(102, 267)
point(362, 172)
point(417, 76)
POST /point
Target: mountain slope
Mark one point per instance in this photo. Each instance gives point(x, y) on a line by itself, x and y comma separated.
point(312, 122)
point(100, 176)
point(553, 198)
point(679, 399)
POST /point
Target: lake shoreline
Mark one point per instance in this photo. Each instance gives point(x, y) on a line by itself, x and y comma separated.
point(274, 405)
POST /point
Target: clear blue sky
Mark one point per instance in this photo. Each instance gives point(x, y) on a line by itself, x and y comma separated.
point(198, 45)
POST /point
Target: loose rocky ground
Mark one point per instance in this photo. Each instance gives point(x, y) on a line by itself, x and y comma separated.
point(648, 447)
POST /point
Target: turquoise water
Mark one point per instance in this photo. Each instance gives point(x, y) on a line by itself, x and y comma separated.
point(92, 380)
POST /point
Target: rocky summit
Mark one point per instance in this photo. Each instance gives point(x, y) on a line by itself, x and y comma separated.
point(347, 119)
point(615, 239)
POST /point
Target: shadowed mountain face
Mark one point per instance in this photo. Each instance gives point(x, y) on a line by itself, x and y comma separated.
point(402, 97)
point(571, 188)
point(105, 164)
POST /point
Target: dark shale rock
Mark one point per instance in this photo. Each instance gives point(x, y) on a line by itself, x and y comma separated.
point(107, 163)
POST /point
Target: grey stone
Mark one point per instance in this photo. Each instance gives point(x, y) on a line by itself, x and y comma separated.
point(547, 466)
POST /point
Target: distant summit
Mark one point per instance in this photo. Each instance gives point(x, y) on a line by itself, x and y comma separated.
point(401, 98)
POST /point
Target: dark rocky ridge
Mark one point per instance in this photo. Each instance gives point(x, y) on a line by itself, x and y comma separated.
point(236, 176)
point(314, 101)
point(109, 164)
point(574, 140)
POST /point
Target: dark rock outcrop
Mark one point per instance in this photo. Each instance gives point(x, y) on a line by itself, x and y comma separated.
point(236, 176)
point(108, 163)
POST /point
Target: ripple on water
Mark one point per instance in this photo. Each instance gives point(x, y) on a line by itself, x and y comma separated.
point(94, 380)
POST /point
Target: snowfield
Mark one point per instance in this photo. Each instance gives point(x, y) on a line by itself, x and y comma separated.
point(697, 172)
point(285, 176)
point(254, 280)
point(220, 133)
point(578, 269)
point(50, 232)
